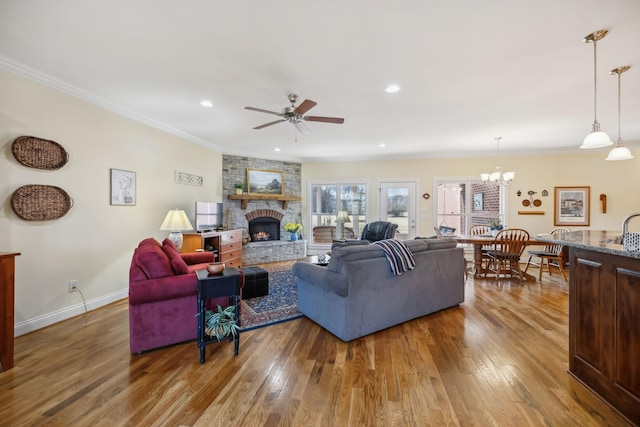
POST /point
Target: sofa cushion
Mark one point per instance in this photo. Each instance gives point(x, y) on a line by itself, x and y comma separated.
point(431, 243)
point(177, 263)
point(152, 260)
point(351, 242)
point(149, 241)
point(358, 252)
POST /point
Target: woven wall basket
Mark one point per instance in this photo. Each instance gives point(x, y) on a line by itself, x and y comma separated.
point(39, 153)
point(40, 202)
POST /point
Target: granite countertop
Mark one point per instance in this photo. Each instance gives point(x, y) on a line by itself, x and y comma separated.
point(608, 242)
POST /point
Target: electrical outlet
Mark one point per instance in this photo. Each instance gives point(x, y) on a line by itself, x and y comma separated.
point(73, 285)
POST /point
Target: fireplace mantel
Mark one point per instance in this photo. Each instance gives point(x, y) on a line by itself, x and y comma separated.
point(245, 198)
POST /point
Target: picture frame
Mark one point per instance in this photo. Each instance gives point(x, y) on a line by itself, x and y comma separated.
point(123, 187)
point(261, 181)
point(571, 206)
point(478, 201)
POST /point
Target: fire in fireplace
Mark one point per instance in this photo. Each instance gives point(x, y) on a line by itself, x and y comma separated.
point(264, 228)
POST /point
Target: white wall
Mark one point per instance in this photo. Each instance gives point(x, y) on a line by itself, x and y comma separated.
point(94, 242)
point(618, 180)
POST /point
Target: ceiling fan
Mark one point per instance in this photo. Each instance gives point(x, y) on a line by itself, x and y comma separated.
point(294, 115)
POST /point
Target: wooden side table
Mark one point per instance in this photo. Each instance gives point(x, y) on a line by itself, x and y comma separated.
point(228, 283)
point(7, 292)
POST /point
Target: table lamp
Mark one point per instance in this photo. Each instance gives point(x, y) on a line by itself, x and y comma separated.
point(341, 219)
point(176, 221)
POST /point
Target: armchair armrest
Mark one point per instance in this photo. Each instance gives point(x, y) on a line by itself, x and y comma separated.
point(191, 258)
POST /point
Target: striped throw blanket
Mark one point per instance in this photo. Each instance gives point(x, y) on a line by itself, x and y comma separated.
point(399, 256)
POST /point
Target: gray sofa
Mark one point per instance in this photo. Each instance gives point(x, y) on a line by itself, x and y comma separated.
point(357, 294)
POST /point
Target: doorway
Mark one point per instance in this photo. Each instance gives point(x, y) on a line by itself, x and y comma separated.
point(397, 204)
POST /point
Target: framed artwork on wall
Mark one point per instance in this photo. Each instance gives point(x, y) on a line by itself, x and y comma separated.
point(478, 201)
point(123, 187)
point(265, 182)
point(571, 206)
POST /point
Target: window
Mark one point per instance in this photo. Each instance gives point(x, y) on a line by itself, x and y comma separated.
point(461, 203)
point(326, 200)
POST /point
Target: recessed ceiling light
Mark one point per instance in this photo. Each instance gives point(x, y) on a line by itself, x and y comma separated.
point(382, 145)
point(276, 149)
point(207, 103)
point(392, 89)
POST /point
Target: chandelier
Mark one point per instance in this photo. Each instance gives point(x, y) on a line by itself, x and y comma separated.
point(497, 176)
point(619, 152)
point(597, 138)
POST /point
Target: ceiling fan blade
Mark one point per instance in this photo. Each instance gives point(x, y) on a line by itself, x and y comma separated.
point(262, 111)
point(269, 124)
point(336, 120)
point(306, 105)
point(302, 128)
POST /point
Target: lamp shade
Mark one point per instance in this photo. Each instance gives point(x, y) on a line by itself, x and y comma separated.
point(343, 217)
point(596, 139)
point(176, 220)
point(619, 153)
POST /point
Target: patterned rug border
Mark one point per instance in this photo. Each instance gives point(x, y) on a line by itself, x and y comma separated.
point(270, 317)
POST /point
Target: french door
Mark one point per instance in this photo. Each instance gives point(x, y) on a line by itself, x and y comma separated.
point(397, 204)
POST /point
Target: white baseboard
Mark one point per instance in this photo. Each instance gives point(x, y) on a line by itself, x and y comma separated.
point(67, 313)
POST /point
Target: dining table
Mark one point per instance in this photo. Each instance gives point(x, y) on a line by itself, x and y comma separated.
point(480, 240)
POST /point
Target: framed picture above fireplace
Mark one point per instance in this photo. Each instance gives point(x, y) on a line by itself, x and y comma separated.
point(260, 181)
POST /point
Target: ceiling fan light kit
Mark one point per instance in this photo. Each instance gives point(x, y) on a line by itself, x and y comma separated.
point(295, 115)
point(619, 152)
point(597, 138)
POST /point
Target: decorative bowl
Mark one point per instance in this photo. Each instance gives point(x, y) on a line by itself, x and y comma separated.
point(215, 267)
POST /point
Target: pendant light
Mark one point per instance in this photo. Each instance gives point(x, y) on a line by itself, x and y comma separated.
point(619, 152)
point(597, 138)
point(497, 176)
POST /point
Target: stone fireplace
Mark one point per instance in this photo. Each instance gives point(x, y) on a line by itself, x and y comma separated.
point(261, 218)
point(264, 224)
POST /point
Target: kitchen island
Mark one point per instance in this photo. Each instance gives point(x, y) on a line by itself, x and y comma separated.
point(604, 316)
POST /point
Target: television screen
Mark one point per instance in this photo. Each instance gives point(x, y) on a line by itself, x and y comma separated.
point(208, 216)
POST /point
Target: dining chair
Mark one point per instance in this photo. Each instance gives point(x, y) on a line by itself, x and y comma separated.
point(551, 255)
point(504, 255)
point(478, 230)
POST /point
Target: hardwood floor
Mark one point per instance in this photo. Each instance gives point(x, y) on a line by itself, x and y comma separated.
point(499, 359)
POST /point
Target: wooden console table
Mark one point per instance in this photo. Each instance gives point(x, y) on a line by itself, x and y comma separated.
point(7, 291)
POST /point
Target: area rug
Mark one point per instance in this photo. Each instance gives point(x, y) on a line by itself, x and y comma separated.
point(280, 305)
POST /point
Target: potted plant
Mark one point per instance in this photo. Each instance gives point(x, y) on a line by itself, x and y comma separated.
point(221, 323)
point(294, 228)
point(239, 187)
point(495, 224)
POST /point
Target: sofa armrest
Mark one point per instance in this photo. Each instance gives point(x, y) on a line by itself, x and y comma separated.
point(165, 288)
point(197, 257)
point(321, 277)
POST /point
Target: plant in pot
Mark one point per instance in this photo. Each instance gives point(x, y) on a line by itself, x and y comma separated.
point(294, 228)
point(495, 224)
point(239, 187)
point(221, 323)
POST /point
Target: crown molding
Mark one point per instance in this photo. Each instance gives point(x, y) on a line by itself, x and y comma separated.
point(47, 80)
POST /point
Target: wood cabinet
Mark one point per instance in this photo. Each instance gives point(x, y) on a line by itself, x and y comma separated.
point(604, 327)
point(230, 248)
point(7, 294)
point(227, 244)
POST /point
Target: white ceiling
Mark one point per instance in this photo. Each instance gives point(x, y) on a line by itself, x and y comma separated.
point(469, 70)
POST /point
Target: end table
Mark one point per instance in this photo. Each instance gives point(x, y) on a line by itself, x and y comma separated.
point(228, 283)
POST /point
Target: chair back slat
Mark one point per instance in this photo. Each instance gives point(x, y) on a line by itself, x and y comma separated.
point(511, 241)
point(554, 248)
point(477, 230)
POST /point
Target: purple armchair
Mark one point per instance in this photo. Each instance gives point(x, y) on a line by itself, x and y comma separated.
point(162, 295)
